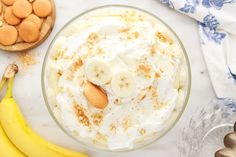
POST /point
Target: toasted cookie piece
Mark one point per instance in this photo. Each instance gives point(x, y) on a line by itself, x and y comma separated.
point(42, 8)
point(10, 18)
point(35, 19)
point(95, 96)
point(22, 8)
point(8, 2)
point(29, 31)
point(8, 35)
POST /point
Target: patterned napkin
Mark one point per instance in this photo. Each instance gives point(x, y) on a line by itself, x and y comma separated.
point(217, 28)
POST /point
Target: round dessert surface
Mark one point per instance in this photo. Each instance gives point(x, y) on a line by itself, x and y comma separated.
point(136, 66)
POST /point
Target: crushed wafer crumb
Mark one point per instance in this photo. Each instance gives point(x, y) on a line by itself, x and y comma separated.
point(27, 59)
point(157, 75)
point(122, 30)
point(73, 68)
point(144, 70)
point(161, 70)
point(164, 38)
point(158, 105)
point(100, 51)
point(101, 138)
point(142, 95)
point(117, 101)
point(97, 118)
point(153, 49)
point(81, 115)
point(130, 35)
point(126, 123)
point(77, 64)
point(127, 34)
point(93, 37)
point(142, 131)
point(81, 82)
point(136, 34)
point(59, 73)
point(113, 128)
point(59, 54)
point(153, 91)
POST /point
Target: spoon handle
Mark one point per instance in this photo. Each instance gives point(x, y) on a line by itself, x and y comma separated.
point(235, 127)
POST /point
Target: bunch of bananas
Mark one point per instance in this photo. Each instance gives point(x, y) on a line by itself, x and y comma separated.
point(17, 139)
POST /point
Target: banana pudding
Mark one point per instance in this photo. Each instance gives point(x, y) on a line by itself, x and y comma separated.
point(116, 76)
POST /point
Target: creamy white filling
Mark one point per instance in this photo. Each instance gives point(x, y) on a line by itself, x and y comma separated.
point(132, 118)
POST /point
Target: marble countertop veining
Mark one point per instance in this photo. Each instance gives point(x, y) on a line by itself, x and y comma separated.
point(28, 91)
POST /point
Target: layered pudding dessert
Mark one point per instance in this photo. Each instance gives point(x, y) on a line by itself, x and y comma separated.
point(115, 76)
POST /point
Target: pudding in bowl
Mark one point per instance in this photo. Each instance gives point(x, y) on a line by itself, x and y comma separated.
point(116, 78)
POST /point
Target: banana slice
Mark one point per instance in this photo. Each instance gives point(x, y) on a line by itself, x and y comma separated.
point(97, 71)
point(123, 84)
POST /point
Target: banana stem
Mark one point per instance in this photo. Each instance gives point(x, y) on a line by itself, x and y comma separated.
point(9, 88)
point(10, 71)
point(9, 75)
point(2, 83)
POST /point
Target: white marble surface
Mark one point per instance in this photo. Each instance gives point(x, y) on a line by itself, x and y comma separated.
point(28, 91)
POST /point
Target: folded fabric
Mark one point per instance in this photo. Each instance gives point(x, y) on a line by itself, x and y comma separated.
point(217, 28)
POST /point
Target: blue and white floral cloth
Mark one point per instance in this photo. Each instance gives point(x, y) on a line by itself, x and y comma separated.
point(217, 28)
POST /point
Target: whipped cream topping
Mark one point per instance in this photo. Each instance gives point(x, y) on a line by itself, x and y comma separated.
point(125, 40)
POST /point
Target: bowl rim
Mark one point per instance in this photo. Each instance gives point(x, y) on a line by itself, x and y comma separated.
point(94, 148)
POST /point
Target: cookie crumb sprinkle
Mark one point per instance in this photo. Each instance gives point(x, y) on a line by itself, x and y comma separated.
point(81, 115)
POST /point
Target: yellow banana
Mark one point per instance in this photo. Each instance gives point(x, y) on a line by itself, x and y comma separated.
point(54, 147)
point(23, 137)
point(7, 149)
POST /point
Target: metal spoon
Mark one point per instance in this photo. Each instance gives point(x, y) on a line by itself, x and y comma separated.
point(235, 127)
point(225, 152)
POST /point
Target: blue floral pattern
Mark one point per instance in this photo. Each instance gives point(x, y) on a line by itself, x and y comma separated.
point(189, 6)
point(211, 22)
point(217, 4)
point(168, 3)
point(231, 76)
point(209, 26)
point(229, 102)
point(212, 37)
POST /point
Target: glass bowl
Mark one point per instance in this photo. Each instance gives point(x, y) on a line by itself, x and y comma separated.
point(148, 139)
point(204, 132)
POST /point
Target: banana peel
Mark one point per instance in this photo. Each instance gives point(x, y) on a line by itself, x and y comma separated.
point(17, 138)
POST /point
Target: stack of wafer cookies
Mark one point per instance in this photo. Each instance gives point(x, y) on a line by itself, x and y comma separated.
point(25, 23)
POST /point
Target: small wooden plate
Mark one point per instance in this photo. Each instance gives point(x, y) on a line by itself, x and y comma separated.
point(45, 30)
